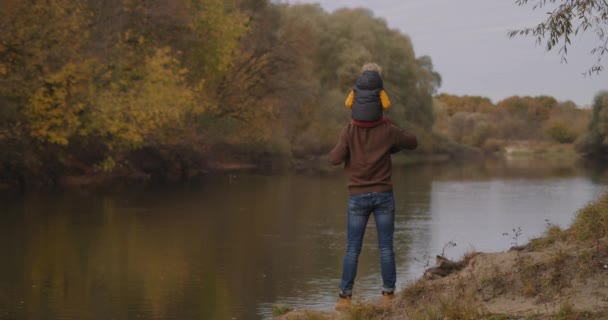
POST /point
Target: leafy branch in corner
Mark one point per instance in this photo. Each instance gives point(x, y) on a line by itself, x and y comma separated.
point(566, 19)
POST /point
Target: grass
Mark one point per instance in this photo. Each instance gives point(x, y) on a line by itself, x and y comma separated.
point(586, 262)
point(415, 291)
point(494, 285)
point(498, 317)
point(566, 312)
point(308, 315)
point(591, 222)
point(279, 310)
point(362, 311)
point(460, 309)
point(453, 308)
point(546, 278)
point(314, 316)
point(552, 234)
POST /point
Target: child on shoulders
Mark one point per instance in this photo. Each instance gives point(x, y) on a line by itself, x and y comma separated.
point(367, 100)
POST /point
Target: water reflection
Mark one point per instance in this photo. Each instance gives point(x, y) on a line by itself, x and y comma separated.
point(232, 246)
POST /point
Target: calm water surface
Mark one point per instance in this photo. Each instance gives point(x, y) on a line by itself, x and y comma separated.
point(232, 246)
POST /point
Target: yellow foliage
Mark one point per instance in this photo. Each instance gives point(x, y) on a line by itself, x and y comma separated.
point(129, 113)
point(453, 104)
point(54, 109)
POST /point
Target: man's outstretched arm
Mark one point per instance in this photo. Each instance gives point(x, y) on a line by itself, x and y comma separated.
point(340, 152)
point(402, 139)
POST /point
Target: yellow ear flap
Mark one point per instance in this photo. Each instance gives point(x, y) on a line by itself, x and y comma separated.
point(386, 103)
point(349, 100)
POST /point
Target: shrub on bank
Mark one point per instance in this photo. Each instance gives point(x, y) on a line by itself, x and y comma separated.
point(591, 222)
point(560, 132)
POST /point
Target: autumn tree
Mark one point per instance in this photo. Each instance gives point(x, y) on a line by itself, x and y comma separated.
point(339, 44)
point(45, 84)
point(453, 103)
point(161, 86)
point(41, 46)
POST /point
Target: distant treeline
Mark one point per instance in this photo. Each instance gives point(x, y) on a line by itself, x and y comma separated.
point(477, 122)
point(172, 87)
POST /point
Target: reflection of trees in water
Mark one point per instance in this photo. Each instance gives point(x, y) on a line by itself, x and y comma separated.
point(510, 168)
point(596, 169)
point(92, 258)
point(175, 253)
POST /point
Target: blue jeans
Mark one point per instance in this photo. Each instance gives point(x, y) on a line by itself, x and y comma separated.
point(360, 207)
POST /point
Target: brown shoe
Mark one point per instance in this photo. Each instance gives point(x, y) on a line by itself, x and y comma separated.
point(387, 299)
point(343, 303)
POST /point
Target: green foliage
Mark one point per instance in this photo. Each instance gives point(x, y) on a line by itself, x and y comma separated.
point(560, 132)
point(595, 142)
point(216, 27)
point(341, 42)
point(481, 133)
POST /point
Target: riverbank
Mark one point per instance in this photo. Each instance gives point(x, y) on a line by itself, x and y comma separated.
point(539, 149)
point(561, 275)
point(163, 173)
point(151, 169)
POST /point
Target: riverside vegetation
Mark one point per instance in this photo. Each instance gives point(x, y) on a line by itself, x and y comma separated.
point(560, 275)
point(173, 89)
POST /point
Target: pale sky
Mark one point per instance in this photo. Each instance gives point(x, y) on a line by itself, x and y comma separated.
point(467, 41)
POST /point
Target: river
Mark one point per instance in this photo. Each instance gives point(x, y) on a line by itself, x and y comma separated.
point(231, 246)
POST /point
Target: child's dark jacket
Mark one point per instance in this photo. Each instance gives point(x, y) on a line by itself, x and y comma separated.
point(368, 98)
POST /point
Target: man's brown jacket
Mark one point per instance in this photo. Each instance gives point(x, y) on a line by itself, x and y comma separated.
point(366, 153)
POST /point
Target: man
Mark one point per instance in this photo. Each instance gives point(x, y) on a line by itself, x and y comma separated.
point(365, 148)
